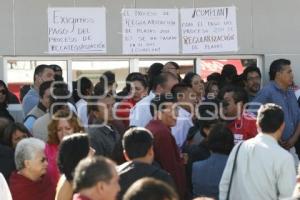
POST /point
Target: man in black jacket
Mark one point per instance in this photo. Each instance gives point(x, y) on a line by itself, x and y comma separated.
point(103, 133)
point(138, 151)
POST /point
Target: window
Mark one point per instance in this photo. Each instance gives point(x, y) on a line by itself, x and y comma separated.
point(20, 73)
point(19, 70)
point(209, 66)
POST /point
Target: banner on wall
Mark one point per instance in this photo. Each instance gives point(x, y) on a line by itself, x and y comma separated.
point(150, 31)
point(206, 30)
point(76, 30)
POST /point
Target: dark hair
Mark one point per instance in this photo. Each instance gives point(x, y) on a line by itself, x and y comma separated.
point(75, 92)
point(173, 63)
point(101, 90)
point(43, 87)
point(159, 101)
point(134, 76)
point(92, 170)
point(239, 93)
point(162, 79)
point(56, 68)
point(250, 69)
point(150, 189)
point(58, 77)
point(137, 141)
point(270, 117)
point(206, 115)
point(108, 78)
point(188, 78)
point(209, 85)
point(23, 91)
point(40, 69)
point(11, 129)
point(84, 84)
point(141, 78)
point(215, 76)
point(179, 88)
point(228, 70)
point(276, 66)
point(73, 148)
point(59, 95)
point(4, 104)
point(154, 70)
point(4, 122)
point(220, 139)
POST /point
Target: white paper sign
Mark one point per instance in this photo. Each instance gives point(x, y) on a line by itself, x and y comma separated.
point(76, 30)
point(207, 30)
point(150, 31)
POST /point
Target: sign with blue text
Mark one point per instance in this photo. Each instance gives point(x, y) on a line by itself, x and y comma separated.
point(206, 30)
point(150, 31)
point(76, 30)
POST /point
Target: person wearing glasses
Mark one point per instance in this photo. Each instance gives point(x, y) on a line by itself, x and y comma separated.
point(31, 180)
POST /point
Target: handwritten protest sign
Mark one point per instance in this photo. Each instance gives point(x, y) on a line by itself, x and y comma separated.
point(207, 30)
point(150, 31)
point(76, 30)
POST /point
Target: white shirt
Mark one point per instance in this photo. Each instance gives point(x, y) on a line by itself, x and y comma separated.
point(81, 106)
point(264, 170)
point(4, 190)
point(183, 124)
point(140, 114)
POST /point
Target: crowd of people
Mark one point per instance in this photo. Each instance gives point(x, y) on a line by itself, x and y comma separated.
point(164, 136)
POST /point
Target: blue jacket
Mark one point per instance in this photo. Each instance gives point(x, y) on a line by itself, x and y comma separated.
point(206, 175)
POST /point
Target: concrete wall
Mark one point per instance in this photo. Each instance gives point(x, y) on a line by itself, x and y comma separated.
point(265, 27)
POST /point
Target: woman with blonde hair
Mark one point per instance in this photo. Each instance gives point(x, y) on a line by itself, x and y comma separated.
point(63, 123)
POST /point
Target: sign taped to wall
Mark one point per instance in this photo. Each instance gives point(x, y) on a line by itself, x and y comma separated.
point(150, 31)
point(206, 30)
point(76, 30)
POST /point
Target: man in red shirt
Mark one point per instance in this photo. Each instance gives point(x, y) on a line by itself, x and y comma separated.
point(166, 152)
point(241, 123)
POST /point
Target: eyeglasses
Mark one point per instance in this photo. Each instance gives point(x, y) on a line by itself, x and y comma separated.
point(3, 91)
